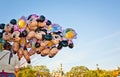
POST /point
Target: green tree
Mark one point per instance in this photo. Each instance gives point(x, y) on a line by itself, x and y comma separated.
point(35, 71)
point(42, 70)
point(26, 72)
point(91, 73)
point(77, 71)
point(82, 71)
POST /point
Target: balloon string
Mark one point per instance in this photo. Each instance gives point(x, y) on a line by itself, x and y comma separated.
point(10, 56)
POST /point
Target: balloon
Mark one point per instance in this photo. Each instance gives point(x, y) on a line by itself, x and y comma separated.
point(69, 33)
point(48, 22)
point(16, 28)
point(2, 26)
point(22, 41)
point(41, 19)
point(54, 28)
point(13, 21)
point(50, 43)
point(49, 28)
point(22, 22)
point(37, 33)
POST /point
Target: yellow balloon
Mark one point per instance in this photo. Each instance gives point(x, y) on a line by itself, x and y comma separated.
point(22, 41)
point(21, 23)
point(69, 35)
point(50, 43)
point(49, 27)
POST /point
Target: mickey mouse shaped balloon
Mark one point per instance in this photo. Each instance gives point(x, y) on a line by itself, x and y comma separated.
point(18, 30)
point(37, 33)
point(1, 34)
point(2, 25)
point(68, 35)
point(8, 30)
point(55, 30)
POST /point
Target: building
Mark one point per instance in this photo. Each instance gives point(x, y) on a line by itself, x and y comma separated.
point(59, 72)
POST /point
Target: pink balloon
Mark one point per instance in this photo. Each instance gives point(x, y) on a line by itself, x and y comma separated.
point(16, 28)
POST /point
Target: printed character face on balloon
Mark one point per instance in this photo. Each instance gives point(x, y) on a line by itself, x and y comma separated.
point(40, 33)
point(9, 30)
point(16, 34)
point(6, 36)
point(9, 27)
point(69, 34)
point(55, 31)
point(56, 37)
point(16, 38)
point(32, 22)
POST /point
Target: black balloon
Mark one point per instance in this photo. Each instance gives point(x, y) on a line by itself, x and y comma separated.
point(71, 45)
point(24, 33)
point(48, 37)
point(2, 26)
point(41, 19)
point(59, 46)
point(48, 22)
point(64, 43)
point(13, 21)
point(0, 35)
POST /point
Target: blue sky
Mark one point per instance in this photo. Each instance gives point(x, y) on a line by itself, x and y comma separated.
point(97, 23)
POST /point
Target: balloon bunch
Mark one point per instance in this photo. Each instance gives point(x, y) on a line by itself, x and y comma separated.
point(38, 34)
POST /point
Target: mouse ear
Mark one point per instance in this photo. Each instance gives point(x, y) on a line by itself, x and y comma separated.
point(44, 30)
point(48, 22)
point(29, 17)
point(38, 29)
point(20, 35)
point(12, 30)
point(41, 19)
point(24, 33)
point(71, 45)
point(59, 46)
point(48, 37)
point(64, 43)
point(13, 21)
point(2, 26)
point(0, 35)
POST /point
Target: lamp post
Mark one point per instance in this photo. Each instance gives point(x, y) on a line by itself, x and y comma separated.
point(97, 67)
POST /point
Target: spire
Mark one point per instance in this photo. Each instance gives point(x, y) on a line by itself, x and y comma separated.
point(60, 67)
